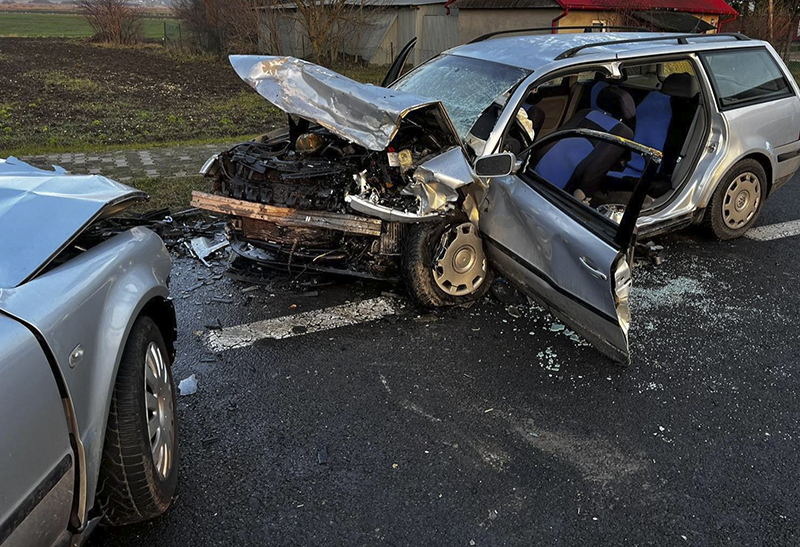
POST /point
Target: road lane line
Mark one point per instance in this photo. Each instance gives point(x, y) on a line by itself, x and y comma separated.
point(774, 231)
point(354, 313)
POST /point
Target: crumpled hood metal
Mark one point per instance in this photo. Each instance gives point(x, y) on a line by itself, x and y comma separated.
point(41, 212)
point(367, 115)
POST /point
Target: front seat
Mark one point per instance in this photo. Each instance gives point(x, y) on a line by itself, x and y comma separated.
point(658, 117)
point(580, 163)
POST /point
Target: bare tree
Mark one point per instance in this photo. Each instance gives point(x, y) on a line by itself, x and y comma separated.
point(114, 21)
point(772, 20)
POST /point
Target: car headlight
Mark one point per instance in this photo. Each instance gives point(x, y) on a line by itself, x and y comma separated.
point(210, 166)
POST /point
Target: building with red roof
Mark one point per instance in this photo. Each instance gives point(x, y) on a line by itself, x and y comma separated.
point(477, 17)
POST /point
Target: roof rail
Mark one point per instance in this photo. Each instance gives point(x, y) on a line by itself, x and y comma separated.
point(681, 38)
point(588, 29)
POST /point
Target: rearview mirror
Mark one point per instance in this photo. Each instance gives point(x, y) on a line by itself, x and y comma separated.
point(495, 165)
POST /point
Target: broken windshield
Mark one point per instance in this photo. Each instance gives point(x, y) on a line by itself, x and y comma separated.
point(465, 86)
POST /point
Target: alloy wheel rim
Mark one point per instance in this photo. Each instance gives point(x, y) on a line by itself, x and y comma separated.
point(741, 201)
point(159, 410)
point(459, 265)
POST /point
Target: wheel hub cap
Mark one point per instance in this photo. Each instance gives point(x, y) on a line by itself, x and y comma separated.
point(459, 265)
point(159, 409)
point(742, 199)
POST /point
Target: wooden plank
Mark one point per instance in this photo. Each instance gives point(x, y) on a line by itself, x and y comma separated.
point(287, 217)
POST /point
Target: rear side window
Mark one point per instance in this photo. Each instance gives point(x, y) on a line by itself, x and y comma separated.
point(745, 76)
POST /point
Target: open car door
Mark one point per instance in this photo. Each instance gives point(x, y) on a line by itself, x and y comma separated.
point(396, 69)
point(561, 250)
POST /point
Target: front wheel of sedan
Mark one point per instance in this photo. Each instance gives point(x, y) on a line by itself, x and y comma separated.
point(737, 201)
point(443, 263)
point(139, 469)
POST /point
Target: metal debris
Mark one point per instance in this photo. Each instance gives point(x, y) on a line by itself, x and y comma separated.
point(203, 247)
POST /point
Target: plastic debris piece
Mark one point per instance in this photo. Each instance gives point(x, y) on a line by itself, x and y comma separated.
point(556, 327)
point(322, 455)
point(513, 311)
point(188, 386)
point(203, 247)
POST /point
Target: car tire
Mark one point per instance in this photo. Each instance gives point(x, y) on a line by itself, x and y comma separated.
point(135, 485)
point(423, 244)
point(738, 200)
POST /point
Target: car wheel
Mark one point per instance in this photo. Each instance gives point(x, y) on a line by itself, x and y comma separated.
point(737, 201)
point(443, 263)
point(139, 468)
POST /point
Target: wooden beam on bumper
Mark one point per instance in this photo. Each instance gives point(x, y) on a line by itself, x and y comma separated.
point(284, 216)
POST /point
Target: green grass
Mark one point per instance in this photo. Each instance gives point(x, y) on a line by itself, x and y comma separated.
point(115, 97)
point(175, 192)
point(63, 25)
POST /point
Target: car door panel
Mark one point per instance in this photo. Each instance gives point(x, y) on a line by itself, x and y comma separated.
point(36, 465)
point(555, 260)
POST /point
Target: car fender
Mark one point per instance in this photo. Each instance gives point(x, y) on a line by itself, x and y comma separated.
point(84, 310)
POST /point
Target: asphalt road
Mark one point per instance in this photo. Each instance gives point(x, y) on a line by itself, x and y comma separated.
point(475, 427)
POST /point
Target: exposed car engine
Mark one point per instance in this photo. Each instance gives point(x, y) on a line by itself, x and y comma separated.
point(305, 178)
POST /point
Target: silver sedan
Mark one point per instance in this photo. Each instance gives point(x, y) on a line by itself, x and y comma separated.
point(88, 429)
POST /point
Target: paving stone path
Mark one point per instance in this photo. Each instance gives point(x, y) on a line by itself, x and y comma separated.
point(123, 165)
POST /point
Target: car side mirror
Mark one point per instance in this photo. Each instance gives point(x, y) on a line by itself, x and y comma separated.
point(495, 165)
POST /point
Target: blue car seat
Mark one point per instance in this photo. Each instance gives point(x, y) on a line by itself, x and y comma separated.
point(581, 163)
point(654, 117)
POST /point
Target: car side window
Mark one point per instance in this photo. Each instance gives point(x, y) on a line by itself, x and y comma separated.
point(745, 76)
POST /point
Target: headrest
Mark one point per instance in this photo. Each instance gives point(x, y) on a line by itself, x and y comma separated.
point(680, 84)
point(536, 116)
point(617, 102)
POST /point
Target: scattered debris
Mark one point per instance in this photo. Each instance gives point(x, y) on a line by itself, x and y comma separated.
point(209, 440)
point(222, 300)
point(188, 386)
point(514, 312)
point(557, 327)
point(203, 247)
point(322, 456)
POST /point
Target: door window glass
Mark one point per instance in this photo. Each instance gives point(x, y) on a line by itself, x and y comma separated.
point(745, 76)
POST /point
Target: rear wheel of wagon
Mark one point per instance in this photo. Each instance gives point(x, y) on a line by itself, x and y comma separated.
point(737, 201)
point(443, 263)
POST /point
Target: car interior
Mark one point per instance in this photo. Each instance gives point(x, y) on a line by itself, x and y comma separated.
point(658, 105)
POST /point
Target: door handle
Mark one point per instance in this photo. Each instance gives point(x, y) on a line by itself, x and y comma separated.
point(592, 270)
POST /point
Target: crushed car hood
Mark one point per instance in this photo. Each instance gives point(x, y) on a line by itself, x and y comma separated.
point(41, 212)
point(365, 114)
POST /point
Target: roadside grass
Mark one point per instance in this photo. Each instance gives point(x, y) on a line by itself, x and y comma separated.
point(66, 25)
point(173, 192)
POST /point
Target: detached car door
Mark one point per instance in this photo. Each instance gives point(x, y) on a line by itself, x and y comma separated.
point(564, 252)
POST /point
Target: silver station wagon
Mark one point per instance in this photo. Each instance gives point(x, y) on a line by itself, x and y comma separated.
point(540, 156)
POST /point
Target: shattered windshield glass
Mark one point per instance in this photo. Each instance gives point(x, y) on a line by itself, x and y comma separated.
point(465, 86)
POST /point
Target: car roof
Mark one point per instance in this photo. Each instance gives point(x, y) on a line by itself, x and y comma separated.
point(533, 51)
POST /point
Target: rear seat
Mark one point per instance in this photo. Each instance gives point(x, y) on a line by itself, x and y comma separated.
point(657, 120)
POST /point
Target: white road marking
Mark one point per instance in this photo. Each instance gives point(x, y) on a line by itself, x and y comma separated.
point(303, 323)
point(774, 231)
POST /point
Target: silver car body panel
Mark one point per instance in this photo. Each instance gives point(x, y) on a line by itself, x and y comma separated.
point(36, 456)
point(93, 300)
point(367, 115)
point(45, 210)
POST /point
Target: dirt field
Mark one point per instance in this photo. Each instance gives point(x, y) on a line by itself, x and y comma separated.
point(70, 95)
